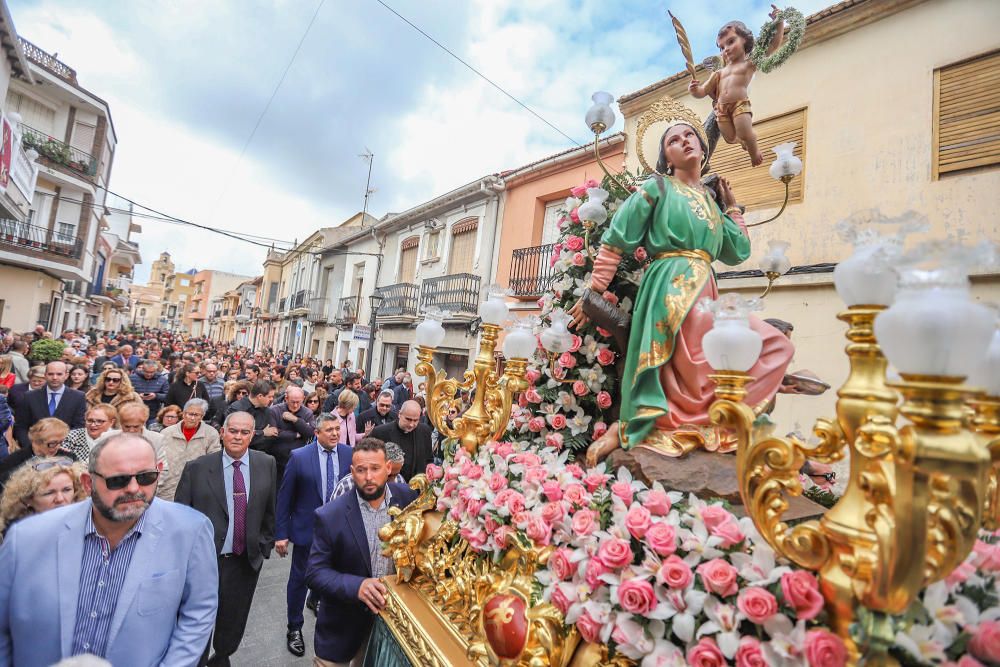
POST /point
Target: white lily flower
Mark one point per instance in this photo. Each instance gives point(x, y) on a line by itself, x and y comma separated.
point(683, 608)
point(919, 641)
point(723, 622)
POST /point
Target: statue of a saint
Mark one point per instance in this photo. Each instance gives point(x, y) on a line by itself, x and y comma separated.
point(666, 391)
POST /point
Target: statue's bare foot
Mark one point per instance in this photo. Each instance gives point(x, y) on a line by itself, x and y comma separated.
point(603, 446)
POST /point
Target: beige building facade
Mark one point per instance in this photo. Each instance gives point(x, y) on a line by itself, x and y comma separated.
point(875, 96)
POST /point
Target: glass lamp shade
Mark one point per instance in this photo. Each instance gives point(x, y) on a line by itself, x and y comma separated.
point(987, 374)
point(494, 310)
point(600, 113)
point(785, 164)
point(866, 278)
point(430, 332)
point(520, 342)
point(731, 345)
point(557, 338)
point(775, 260)
point(375, 300)
point(593, 209)
point(31, 154)
point(933, 326)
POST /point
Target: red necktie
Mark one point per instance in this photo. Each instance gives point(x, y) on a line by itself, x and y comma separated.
point(239, 511)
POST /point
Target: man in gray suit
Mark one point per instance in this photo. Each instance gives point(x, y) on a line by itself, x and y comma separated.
point(235, 489)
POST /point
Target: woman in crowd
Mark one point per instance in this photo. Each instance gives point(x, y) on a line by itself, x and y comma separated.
point(184, 442)
point(311, 380)
point(113, 387)
point(313, 402)
point(47, 437)
point(79, 378)
point(346, 403)
point(42, 485)
point(165, 418)
point(294, 375)
point(99, 420)
point(186, 386)
point(7, 374)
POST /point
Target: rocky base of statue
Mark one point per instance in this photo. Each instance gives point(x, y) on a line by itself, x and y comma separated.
point(706, 474)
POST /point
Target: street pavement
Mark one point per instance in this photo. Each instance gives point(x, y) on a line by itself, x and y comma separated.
point(264, 640)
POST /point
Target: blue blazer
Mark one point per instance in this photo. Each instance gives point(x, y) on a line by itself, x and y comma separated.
point(301, 492)
point(166, 609)
point(338, 562)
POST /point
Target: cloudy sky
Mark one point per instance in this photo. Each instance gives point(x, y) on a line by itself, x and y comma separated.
point(187, 81)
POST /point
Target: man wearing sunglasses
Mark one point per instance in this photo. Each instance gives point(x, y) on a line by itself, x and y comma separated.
point(236, 490)
point(121, 576)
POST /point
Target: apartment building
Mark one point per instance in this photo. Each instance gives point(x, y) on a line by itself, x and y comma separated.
point(206, 300)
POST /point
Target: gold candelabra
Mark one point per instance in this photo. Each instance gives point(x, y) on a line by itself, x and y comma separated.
point(487, 417)
point(917, 495)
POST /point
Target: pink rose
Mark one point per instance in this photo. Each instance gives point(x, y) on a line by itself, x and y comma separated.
point(579, 191)
point(574, 470)
point(580, 388)
point(503, 449)
point(434, 472)
point(595, 480)
point(589, 629)
point(533, 396)
point(965, 661)
point(600, 428)
point(554, 440)
point(706, 653)
point(640, 254)
point(558, 421)
point(636, 596)
point(449, 488)
point(584, 522)
point(605, 357)
point(657, 502)
point(539, 530)
point(536, 424)
point(610, 297)
point(638, 521)
point(985, 642)
point(511, 499)
point(718, 577)
point(801, 592)
point(730, 533)
point(960, 574)
point(603, 400)
point(498, 482)
point(624, 491)
point(825, 649)
point(552, 512)
point(475, 537)
point(579, 259)
point(675, 573)
point(713, 515)
point(473, 472)
point(535, 474)
point(574, 215)
point(987, 556)
point(560, 565)
point(490, 524)
point(616, 553)
point(567, 360)
point(575, 343)
point(575, 494)
point(604, 332)
point(592, 574)
point(502, 536)
point(757, 604)
point(559, 599)
point(661, 537)
point(574, 243)
point(475, 506)
point(749, 653)
point(552, 490)
point(532, 375)
point(591, 183)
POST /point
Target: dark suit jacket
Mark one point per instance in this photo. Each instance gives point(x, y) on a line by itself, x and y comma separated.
point(119, 360)
point(203, 487)
point(301, 492)
point(338, 562)
point(35, 407)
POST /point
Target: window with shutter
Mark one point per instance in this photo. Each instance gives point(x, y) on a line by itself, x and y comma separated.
point(33, 114)
point(753, 186)
point(463, 246)
point(550, 225)
point(966, 130)
point(83, 137)
point(408, 259)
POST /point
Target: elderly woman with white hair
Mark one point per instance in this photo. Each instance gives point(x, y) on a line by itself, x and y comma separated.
point(186, 441)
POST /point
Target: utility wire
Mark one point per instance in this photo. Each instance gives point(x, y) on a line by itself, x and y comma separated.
point(477, 72)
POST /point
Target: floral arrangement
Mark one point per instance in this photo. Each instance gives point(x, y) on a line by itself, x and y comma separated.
point(665, 579)
point(796, 30)
point(572, 407)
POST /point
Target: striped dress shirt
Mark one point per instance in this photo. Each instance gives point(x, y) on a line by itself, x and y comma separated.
point(374, 519)
point(102, 574)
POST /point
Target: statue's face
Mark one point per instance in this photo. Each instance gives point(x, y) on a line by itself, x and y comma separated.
point(682, 147)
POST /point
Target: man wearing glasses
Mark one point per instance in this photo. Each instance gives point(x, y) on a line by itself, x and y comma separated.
point(236, 490)
point(127, 579)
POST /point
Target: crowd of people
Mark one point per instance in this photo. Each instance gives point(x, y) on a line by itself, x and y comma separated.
point(146, 476)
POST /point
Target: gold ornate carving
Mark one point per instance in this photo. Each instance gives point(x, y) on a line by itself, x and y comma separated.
point(412, 639)
point(661, 116)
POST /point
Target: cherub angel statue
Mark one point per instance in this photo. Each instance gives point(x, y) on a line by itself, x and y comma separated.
point(741, 57)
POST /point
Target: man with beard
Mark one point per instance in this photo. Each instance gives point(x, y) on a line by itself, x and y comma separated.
point(118, 576)
point(243, 522)
point(346, 559)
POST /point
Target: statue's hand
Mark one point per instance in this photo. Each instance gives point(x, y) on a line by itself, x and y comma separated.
point(579, 317)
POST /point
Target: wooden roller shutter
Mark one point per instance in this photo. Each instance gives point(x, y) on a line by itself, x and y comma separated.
point(463, 246)
point(966, 115)
point(753, 186)
point(408, 259)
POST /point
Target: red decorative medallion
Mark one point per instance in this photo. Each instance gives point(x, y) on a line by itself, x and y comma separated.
point(506, 625)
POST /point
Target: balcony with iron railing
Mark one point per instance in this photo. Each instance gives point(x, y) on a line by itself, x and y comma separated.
point(299, 300)
point(347, 311)
point(457, 293)
point(531, 270)
point(401, 300)
point(272, 308)
point(47, 61)
point(317, 309)
point(283, 305)
point(58, 152)
point(23, 235)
